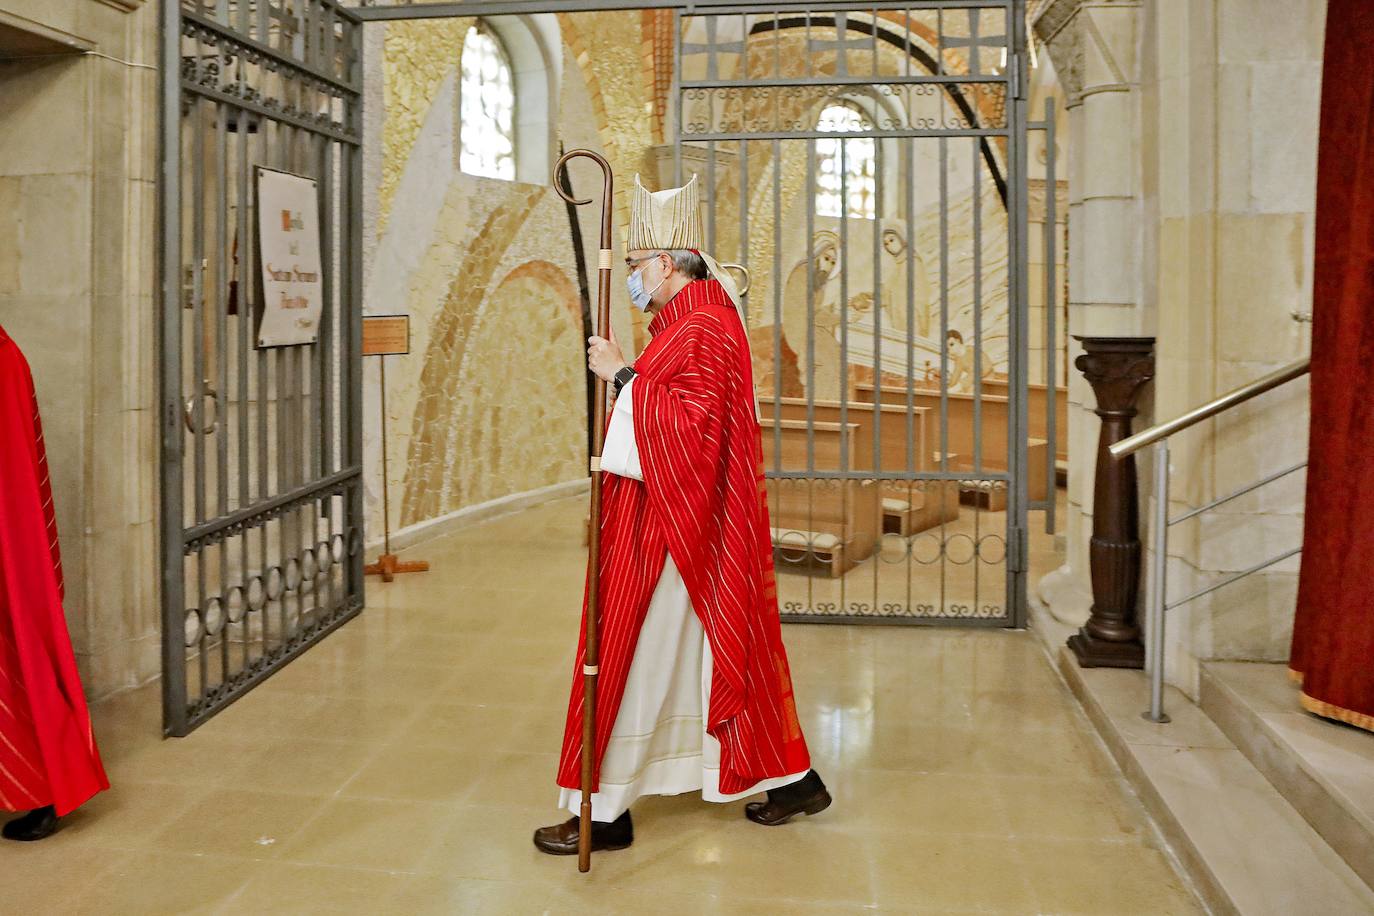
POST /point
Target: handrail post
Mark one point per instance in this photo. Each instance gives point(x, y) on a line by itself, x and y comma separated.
point(1159, 543)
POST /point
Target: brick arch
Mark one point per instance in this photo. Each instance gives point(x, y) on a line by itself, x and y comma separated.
point(429, 442)
point(577, 44)
point(625, 162)
point(557, 280)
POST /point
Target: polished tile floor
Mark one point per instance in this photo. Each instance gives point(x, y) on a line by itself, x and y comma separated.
point(400, 766)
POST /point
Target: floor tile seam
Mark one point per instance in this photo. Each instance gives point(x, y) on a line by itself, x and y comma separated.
point(536, 810)
point(447, 804)
point(338, 794)
point(880, 831)
point(364, 869)
point(275, 741)
point(144, 846)
point(632, 881)
point(289, 860)
point(1142, 839)
point(271, 850)
point(221, 857)
point(767, 904)
point(961, 770)
point(232, 787)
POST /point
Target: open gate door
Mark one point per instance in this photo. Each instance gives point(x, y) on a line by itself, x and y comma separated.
point(260, 323)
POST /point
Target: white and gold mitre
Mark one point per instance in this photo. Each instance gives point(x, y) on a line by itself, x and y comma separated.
point(671, 219)
point(665, 219)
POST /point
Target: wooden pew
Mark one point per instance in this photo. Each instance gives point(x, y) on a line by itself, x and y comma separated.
point(833, 524)
point(905, 509)
point(961, 438)
point(1036, 406)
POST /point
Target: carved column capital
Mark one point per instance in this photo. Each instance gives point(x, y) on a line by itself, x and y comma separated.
point(1054, 28)
point(1117, 368)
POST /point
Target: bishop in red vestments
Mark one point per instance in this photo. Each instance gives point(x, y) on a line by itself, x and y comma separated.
point(49, 764)
point(694, 691)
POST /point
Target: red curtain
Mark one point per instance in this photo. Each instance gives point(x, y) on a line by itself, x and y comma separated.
point(1333, 636)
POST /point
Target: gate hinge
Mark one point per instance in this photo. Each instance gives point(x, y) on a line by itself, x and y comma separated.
point(1018, 552)
point(1017, 81)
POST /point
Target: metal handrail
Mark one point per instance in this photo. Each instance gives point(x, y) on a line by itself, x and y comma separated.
point(1158, 436)
point(1236, 494)
point(1133, 444)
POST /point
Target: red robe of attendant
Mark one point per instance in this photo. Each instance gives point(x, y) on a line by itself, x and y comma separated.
point(47, 749)
point(702, 499)
point(1333, 633)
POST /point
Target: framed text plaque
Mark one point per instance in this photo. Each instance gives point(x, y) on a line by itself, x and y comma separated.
point(386, 335)
point(288, 241)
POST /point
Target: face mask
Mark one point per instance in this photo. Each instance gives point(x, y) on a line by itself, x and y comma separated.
point(641, 298)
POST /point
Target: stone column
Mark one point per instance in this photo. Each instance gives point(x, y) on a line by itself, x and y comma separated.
point(1117, 368)
point(1093, 46)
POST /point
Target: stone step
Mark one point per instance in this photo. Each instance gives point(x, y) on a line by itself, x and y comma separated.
point(1324, 769)
point(1246, 849)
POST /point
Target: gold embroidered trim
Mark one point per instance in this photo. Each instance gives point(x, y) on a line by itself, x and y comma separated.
point(1329, 711)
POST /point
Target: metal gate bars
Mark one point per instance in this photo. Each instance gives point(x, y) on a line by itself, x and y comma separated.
point(868, 167)
point(261, 446)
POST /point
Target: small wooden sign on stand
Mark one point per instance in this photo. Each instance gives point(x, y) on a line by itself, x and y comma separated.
point(383, 336)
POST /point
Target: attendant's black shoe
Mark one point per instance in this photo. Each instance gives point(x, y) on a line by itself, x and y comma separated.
point(805, 796)
point(561, 839)
point(37, 824)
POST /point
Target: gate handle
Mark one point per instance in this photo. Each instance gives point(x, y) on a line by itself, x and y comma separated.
point(188, 411)
point(742, 269)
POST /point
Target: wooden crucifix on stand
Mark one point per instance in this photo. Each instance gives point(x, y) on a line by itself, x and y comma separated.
point(383, 336)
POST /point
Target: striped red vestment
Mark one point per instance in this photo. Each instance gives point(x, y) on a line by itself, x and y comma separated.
point(47, 748)
point(702, 498)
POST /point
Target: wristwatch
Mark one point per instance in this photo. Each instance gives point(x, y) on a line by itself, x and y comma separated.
point(622, 378)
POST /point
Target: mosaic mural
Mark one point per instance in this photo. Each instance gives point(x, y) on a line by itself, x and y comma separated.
point(491, 400)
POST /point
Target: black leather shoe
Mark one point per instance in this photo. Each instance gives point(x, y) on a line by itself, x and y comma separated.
point(561, 839)
point(37, 824)
point(805, 796)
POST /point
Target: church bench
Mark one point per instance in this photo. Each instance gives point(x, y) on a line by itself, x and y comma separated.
point(1037, 412)
point(830, 523)
point(961, 439)
point(905, 510)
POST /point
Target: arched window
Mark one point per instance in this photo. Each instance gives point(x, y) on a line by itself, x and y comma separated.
point(856, 158)
point(487, 107)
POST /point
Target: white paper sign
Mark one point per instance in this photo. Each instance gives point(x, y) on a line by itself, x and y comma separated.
point(289, 253)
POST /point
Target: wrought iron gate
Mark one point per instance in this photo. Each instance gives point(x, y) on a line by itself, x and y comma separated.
point(261, 499)
point(867, 165)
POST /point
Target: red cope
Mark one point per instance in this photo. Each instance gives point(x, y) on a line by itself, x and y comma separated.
point(1333, 631)
point(702, 500)
point(47, 749)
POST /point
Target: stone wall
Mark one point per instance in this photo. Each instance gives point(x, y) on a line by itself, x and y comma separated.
point(77, 170)
point(1232, 217)
point(1192, 187)
point(1094, 49)
point(491, 401)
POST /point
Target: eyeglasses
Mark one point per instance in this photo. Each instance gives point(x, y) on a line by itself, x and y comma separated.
point(635, 262)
